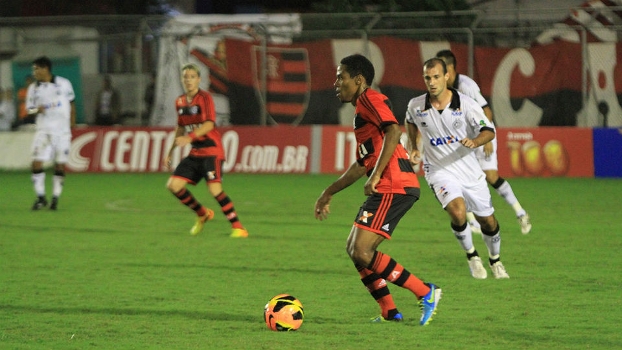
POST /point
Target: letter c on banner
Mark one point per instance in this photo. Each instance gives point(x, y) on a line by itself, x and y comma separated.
point(528, 114)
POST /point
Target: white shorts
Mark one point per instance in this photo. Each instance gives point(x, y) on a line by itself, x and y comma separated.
point(487, 163)
point(447, 187)
point(51, 147)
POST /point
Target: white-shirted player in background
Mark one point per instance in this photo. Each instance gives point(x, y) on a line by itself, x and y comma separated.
point(451, 125)
point(50, 98)
point(486, 154)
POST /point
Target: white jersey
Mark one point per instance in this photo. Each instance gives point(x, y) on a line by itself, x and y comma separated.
point(441, 133)
point(55, 97)
point(469, 87)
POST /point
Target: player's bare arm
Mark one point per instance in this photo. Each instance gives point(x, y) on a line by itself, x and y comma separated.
point(392, 134)
point(488, 147)
point(73, 114)
point(413, 140)
point(322, 204)
point(483, 137)
point(202, 130)
point(179, 131)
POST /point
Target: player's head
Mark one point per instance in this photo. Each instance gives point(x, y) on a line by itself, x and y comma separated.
point(42, 68)
point(358, 64)
point(43, 62)
point(435, 76)
point(190, 77)
point(354, 74)
point(450, 60)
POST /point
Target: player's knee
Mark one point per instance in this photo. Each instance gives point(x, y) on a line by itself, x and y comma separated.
point(173, 187)
point(490, 226)
point(360, 255)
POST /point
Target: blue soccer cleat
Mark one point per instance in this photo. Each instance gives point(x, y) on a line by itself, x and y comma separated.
point(429, 303)
point(397, 318)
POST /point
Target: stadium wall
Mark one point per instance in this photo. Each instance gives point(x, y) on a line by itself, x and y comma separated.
point(523, 152)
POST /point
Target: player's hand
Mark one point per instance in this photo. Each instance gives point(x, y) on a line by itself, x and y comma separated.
point(467, 142)
point(167, 162)
point(322, 206)
point(370, 184)
point(488, 149)
point(415, 157)
point(181, 141)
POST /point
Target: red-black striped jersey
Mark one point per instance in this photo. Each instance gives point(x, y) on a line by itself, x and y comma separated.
point(191, 115)
point(372, 114)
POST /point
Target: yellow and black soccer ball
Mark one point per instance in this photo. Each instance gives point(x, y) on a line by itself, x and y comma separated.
point(284, 313)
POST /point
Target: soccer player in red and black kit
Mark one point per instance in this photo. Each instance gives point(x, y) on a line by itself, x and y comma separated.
point(392, 188)
point(196, 118)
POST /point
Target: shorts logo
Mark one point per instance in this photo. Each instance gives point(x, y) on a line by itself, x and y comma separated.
point(442, 191)
point(385, 227)
point(211, 175)
point(365, 216)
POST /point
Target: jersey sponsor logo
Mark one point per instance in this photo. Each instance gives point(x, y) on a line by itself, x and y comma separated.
point(191, 127)
point(52, 104)
point(189, 110)
point(365, 216)
point(445, 140)
point(421, 114)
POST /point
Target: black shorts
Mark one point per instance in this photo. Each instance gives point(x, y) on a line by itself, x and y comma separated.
point(382, 212)
point(194, 169)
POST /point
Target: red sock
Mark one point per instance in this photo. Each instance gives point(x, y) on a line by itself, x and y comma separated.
point(392, 271)
point(377, 287)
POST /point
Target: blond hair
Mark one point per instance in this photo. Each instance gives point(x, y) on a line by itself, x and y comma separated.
point(191, 66)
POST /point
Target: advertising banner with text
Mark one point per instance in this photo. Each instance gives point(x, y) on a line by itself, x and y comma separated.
point(249, 149)
point(522, 152)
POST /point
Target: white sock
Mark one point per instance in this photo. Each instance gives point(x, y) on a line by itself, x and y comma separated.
point(58, 185)
point(505, 191)
point(494, 244)
point(38, 181)
point(465, 238)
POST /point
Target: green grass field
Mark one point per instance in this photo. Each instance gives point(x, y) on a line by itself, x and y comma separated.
point(115, 268)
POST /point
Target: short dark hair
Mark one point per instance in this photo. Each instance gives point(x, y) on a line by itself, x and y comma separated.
point(43, 62)
point(358, 64)
point(447, 56)
point(433, 62)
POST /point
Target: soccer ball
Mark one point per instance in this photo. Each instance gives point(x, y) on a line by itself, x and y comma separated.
point(284, 313)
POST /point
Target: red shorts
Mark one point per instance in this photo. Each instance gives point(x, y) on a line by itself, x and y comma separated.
point(382, 212)
point(194, 169)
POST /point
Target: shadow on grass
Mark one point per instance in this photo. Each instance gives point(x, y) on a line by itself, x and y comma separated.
point(199, 315)
point(259, 269)
point(196, 315)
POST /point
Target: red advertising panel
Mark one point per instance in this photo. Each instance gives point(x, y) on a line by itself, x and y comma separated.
point(283, 149)
point(256, 149)
point(338, 149)
point(545, 152)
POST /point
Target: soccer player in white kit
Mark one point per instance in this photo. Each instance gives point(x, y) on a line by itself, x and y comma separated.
point(50, 98)
point(450, 125)
point(486, 154)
